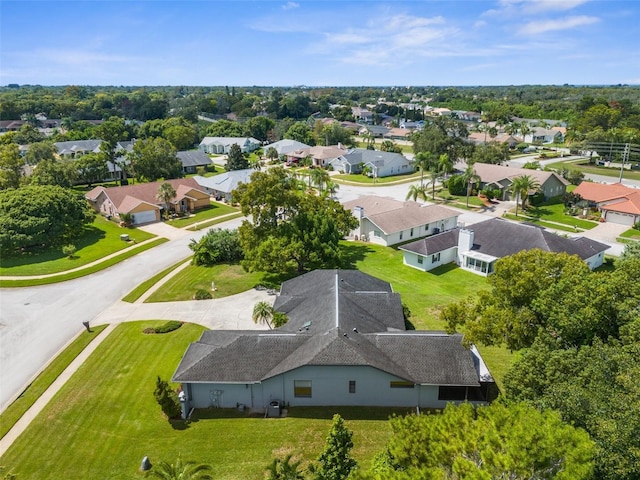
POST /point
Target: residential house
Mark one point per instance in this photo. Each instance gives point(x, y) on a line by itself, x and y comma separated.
point(477, 247)
point(501, 177)
point(74, 149)
point(362, 115)
point(386, 221)
point(481, 138)
point(320, 156)
point(221, 186)
point(286, 146)
point(345, 343)
point(380, 164)
point(378, 131)
point(141, 199)
point(192, 159)
point(222, 145)
point(618, 203)
point(401, 133)
point(544, 135)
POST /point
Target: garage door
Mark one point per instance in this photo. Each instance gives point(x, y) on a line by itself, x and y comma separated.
point(144, 217)
point(621, 218)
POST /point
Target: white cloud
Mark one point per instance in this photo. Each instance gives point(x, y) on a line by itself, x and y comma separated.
point(544, 26)
point(290, 5)
point(526, 7)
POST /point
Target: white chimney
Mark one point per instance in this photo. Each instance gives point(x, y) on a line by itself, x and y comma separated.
point(465, 240)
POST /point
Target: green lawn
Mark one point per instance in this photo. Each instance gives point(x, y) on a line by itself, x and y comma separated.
point(229, 280)
point(363, 179)
point(585, 167)
point(14, 411)
point(100, 239)
point(212, 212)
point(460, 201)
point(63, 277)
point(105, 420)
point(631, 233)
point(215, 221)
point(553, 211)
point(137, 292)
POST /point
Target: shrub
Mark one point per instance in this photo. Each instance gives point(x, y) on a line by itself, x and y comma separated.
point(69, 250)
point(170, 326)
point(167, 399)
point(457, 185)
point(126, 219)
point(279, 319)
point(202, 294)
point(637, 226)
point(216, 246)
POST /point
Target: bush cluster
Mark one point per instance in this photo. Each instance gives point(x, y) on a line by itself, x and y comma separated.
point(202, 294)
point(170, 326)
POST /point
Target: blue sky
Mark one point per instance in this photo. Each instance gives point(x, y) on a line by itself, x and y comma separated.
point(317, 43)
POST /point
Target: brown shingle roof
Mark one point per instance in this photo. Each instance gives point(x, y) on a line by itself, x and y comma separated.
point(145, 192)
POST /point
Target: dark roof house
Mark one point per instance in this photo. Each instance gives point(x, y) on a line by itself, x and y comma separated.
point(345, 344)
point(478, 246)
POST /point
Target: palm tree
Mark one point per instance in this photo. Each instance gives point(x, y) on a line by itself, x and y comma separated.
point(470, 178)
point(434, 176)
point(284, 469)
point(416, 191)
point(165, 194)
point(272, 154)
point(319, 177)
point(525, 129)
point(263, 313)
point(445, 164)
point(423, 162)
point(331, 187)
point(522, 187)
point(182, 470)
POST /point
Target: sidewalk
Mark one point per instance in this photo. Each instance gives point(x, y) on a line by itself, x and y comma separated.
point(77, 269)
point(44, 399)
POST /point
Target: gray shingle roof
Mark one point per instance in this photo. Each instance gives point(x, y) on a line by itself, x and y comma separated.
point(499, 238)
point(193, 158)
point(363, 302)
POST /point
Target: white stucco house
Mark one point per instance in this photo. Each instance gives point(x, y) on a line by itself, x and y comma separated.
point(345, 344)
point(387, 222)
point(477, 247)
point(222, 145)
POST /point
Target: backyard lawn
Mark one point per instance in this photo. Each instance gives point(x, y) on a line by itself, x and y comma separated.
point(99, 239)
point(105, 420)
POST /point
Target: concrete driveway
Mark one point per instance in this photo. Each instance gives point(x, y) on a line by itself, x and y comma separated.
point(228, 313)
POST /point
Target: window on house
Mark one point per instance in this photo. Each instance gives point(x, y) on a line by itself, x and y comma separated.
point(401, 384)
point(411, 233)
point(420, 260)
point(401, 235)
point(352, 386)
point(302, 388)
point(452, 393)
point(435, 257)
point(377, 233)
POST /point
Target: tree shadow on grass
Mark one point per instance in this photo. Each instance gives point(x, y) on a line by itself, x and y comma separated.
point(42, 254)
point(444, 269)
point(352, 253)
point(348, 413)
